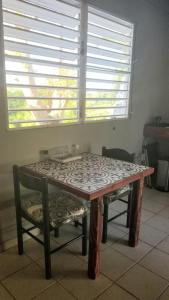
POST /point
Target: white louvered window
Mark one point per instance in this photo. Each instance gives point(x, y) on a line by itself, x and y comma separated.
point(41, 57)
point(65, 63)
point(109, 54)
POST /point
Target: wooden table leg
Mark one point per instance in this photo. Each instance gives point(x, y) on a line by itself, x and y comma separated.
point(136, 212)
point(95, 236)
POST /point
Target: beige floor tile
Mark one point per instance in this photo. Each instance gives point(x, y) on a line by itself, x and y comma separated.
point(134, 253)
point(33, 249)
point(142, 283)
point(114, 233)
point(164, 201)
point(151, 193)
point(27, 283)
point(114, 264)
point(159, 223)
point(76, 249)
point(115, 293)
point(146, 215)
point(151, 235)
point(11, 262)
point(55, 292)
point(157, 262)
point(67, 232)
point(153, 206)
point(165, 295)
point(118, 206)
point(155, 195)
point(4, 295)
point(63, 263)
point(164, 212)
point(78, 284)
point(161, 197)
point(25, 279)
point(164, 245)
point(120, 223)
point(112, 211)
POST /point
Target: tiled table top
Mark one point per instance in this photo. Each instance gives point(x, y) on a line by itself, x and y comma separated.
point(89, 174)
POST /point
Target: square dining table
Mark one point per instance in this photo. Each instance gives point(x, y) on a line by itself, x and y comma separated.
point(90, 178)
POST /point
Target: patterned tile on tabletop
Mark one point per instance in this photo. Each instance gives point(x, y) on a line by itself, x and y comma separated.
point(88, 174)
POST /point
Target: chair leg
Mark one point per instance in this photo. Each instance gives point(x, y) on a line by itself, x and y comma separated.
point(105, 223)
point(47, 253)
point(84, 238)
point(18, 209)
point(19, 233)
point(56, 232)
point(76, 223)
point(129, 210)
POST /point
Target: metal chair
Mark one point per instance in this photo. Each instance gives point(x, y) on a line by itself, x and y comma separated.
point(46, 211)
point(119, 154)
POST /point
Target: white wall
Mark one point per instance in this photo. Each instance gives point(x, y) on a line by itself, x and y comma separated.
point(149, 98)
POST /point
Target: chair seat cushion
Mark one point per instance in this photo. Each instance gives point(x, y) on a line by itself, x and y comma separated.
point(63, 207)
point(122, 192)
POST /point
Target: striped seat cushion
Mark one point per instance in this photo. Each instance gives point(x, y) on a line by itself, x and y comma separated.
point(63, 207)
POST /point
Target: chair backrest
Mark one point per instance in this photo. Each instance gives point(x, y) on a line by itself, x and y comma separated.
point(117, 153)
point(152, 153)
point(28, 181)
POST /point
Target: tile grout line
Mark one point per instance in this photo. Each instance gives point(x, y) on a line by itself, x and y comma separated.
point(8, 291)
point(154, 273)
point(165, 288)
point(137, 263)
point(21, 270)
point(162, 292)
point(158, 298)
point(103, 292)
point(56, 282)
point(16, 271)
point(113, 282)
point(127, 291)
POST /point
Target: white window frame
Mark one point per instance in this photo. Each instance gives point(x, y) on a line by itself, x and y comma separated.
point(82, 74)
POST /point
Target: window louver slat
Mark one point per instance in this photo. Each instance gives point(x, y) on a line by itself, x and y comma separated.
point(41, 26)
point(40, 12)
point(65, 62)
point(109, 24)
point(109, 52)
point(41, 41)
point(39, 50)
point(108, 44)
point(100, 52)
point(108, 34)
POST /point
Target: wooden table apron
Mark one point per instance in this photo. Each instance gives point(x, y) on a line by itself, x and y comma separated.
point(96, 211)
